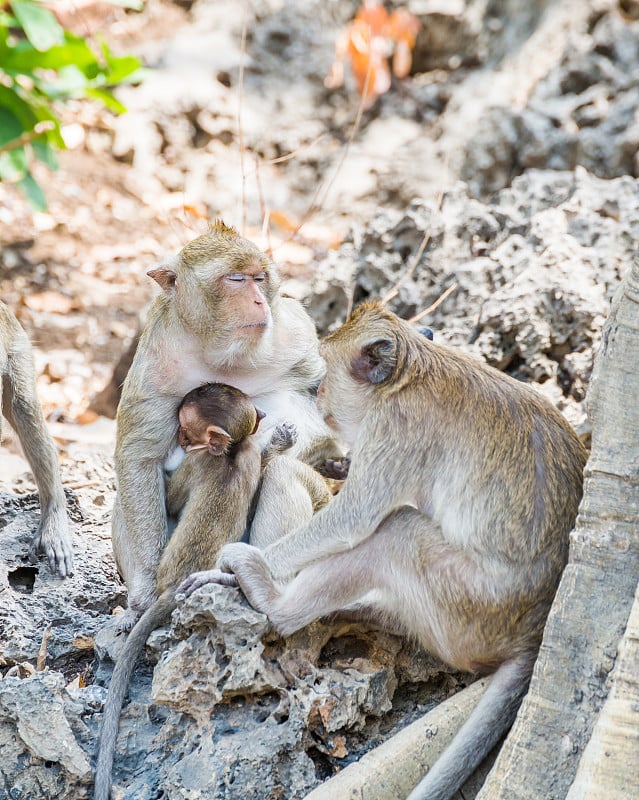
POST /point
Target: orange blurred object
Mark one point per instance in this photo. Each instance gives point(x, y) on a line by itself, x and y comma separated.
point(370, 40)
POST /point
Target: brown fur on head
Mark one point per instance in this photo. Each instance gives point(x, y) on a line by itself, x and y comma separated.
point(216, 416)
point(199, 283)
point(364, 356)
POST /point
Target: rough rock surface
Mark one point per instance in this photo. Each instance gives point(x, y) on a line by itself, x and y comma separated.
point(531, 273)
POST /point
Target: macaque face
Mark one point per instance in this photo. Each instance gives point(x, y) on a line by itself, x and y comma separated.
point(223, 288)
point(246, 293)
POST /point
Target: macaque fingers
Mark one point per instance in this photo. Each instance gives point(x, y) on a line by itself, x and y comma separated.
point(252, 573)
point(199, 579)
point(53, 538)
point(284, 436)
point(335, 468)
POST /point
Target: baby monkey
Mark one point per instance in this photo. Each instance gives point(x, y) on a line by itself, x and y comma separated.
point(210, 493)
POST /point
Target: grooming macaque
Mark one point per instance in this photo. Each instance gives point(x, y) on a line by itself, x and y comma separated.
point(453, 521)
point(210, 493)
point(338, 468)
point(219, 318)
point(20, 406)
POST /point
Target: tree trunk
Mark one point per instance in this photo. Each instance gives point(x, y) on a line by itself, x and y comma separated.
point(608, 769)
point(572, 676)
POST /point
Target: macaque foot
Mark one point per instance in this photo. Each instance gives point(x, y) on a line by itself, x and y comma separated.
point(53, 538)
point(248, 565)
point(284, 436)
point(125, 621)
point(199, 579)
point(336, 468)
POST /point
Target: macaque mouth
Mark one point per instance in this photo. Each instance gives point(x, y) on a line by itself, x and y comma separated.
point(191, 447)
point(254, 326)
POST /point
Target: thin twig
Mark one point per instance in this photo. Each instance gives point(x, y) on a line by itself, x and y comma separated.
point(296, 152)
point(264, 211)
point(28, 137)
point(415, 261)
point(316, 204)
point(240, 102)
point(436, 304)
point(85, 484)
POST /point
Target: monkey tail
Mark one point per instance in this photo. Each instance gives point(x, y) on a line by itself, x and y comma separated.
point(120, 678)
point(490, 719)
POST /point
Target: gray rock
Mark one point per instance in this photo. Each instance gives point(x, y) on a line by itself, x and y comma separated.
point(39, 730)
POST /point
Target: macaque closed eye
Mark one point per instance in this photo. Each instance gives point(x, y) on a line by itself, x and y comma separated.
point(241, 277)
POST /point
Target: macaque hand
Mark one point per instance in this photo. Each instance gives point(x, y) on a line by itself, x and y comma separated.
point(252, 572)
point(199, 579)
point(284, 436)
point(53, 538)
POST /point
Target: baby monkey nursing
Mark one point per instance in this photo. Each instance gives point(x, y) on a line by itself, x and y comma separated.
point(452, 524)
point(210, 493)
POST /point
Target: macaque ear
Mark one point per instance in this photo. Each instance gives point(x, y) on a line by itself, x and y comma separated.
point(217, 440)
point(259, 416)
point(375, 361)
point(163, 276)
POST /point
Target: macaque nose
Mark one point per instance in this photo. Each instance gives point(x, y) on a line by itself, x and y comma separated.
point(258, 297)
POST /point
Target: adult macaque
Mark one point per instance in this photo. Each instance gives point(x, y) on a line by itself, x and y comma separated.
point(20, 406)
point(219, 318)
point(453, 521)
point(210, 493)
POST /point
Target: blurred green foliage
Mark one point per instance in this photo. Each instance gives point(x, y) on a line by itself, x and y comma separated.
point(41, 65)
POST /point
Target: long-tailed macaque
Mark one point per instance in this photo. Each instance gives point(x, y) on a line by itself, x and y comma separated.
point(20, 406)
point(210, 493)
point(219, 318)
point(453, 521)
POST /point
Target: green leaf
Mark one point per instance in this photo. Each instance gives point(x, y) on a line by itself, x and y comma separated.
point(45, 153)
point(23, 111)
point(107, 100)
point(122, 68)
point(40, 26)
point(18, 158)
point(71, 82)
point(23, 58)
point(29, 110)
point(10, 126)
point(13, 164)
point(33, 192)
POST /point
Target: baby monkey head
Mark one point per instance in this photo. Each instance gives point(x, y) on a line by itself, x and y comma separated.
point(216, 417)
